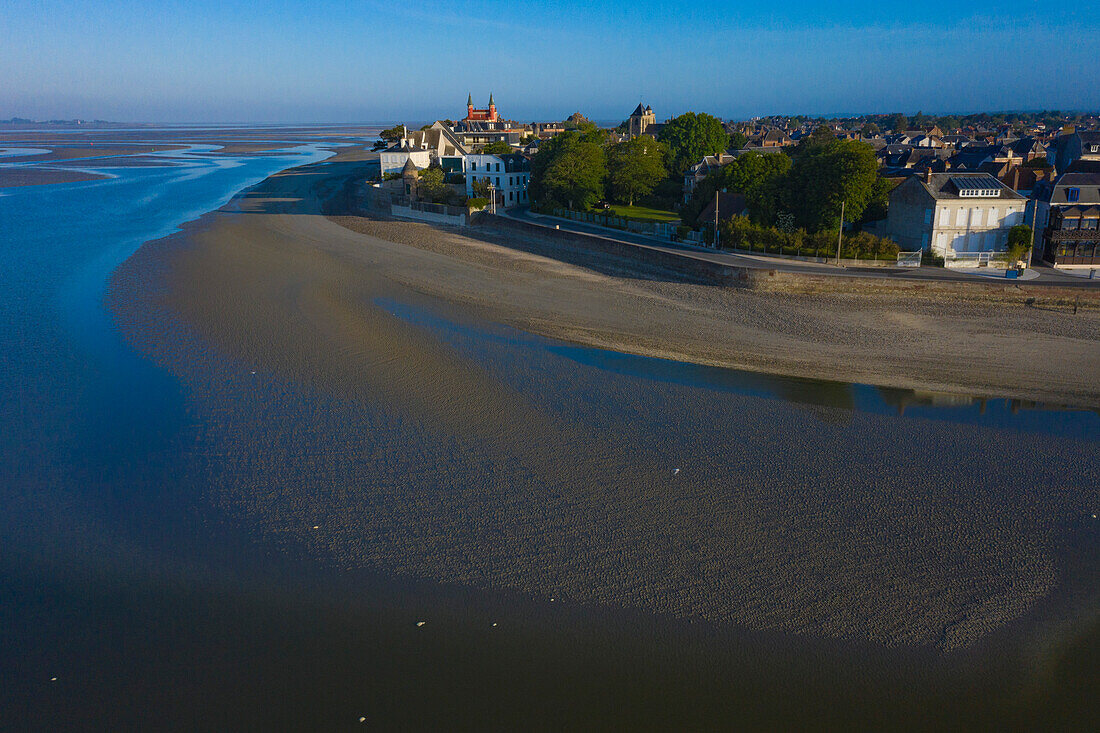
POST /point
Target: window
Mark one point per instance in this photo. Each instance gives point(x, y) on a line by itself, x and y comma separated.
point(960, 217)
point(498, 181)
point(510, 180)
point(976, 218)
point(509, 195)
point(473, 165)
point(945, 217)
point(498, 168)
point(928, 216)
point(1072, 194)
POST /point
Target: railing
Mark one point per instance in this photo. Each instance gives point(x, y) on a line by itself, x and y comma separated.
point(665, 230)
point(973, 259)
point(909, 259)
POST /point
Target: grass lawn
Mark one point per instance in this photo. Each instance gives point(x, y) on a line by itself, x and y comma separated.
point(641, 213)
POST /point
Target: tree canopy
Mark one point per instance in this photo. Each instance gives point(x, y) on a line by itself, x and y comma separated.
point(498, 147)
point(898, 123)
point(757, 176)
point(691, 136)
point(388, 137)
point(430, 185)
point(820, 137)
point(822, 177)
point(569, 170)
point(635, 167)
point(1019, 242)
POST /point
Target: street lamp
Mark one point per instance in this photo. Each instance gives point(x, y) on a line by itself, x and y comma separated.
point(492, 199)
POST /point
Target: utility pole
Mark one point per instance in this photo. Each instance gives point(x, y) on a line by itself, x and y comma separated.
point(840, 234)
point(1034, 229)
point(716, 220)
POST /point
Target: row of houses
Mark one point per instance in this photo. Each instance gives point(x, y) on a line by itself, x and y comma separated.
point(956, 194)
point(965, 198)
point(456, 148)
point(959, 195)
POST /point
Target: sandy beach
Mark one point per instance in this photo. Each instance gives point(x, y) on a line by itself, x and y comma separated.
point(370, 401)
point(541, 286)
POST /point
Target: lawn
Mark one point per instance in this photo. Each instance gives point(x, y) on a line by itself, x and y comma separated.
point(641, 213)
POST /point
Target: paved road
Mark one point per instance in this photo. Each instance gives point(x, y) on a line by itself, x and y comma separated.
point(1046, 275)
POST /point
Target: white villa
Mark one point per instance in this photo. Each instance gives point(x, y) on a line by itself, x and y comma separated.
point(953, 212)
point(423, 147)
point(509, 175)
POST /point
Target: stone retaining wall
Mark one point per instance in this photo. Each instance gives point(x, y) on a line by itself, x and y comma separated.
point(769, 280)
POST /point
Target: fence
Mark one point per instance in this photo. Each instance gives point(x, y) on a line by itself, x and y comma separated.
point(665, 230)
point(974, 259)
point(435, 213)
point(909, 259)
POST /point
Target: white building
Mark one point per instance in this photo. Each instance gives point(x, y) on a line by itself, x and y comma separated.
point(508, 174)
point(953, 212)
point(423, 147)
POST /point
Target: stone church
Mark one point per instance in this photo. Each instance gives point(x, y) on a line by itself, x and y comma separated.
point(641, 120)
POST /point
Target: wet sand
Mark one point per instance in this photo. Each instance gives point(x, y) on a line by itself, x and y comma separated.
point(922, 575)
point(12, 177)
point(77, 152)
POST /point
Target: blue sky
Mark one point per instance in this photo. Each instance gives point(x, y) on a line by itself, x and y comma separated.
point(322, 61)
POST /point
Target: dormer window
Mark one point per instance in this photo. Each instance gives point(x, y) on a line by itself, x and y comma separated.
point(1073, 194)
point(976, 186)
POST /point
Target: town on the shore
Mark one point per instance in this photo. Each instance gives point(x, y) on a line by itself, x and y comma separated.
point(1004, 189)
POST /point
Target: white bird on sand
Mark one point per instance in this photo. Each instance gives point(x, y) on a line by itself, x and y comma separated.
point(420, 623)
point(675, 471)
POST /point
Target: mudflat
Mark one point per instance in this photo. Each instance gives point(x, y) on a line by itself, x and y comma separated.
point(370, 398)
point(12, 177)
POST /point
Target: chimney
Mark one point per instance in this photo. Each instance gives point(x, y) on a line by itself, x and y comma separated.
point(928, 174)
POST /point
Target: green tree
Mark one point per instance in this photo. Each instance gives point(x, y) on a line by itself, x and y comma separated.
point(569, 170)
point(388, 137)
point(738, 140)
point(635, 167)
point(1019, 242)
point(430, 184)
point(879, 204)
point(822, 177)
point(869, 129)
point(480, 188)
point(498, 147)
point(819, 138)
point(948, 124)
point(691, 136)
point(757, 176)
point(898, 123)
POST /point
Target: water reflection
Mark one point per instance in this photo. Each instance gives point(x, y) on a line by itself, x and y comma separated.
point(838, 401)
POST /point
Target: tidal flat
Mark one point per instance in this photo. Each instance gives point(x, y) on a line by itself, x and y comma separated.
point(611, 546)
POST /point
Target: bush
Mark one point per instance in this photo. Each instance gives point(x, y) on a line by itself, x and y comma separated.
point(741, 233)
point(476, 203)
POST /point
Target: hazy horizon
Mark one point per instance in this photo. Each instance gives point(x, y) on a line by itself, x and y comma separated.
point(331, 62)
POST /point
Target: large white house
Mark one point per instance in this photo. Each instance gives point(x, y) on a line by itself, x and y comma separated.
point(423, 147)
point(508, 174)
point(953, 212)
